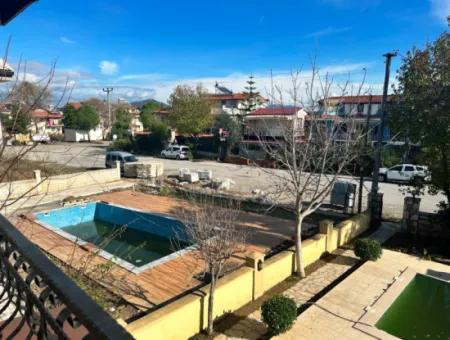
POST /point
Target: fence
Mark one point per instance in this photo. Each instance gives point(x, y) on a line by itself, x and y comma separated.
point(188, 315)
point(38, 301)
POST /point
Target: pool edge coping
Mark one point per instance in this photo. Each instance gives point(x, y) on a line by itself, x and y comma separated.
point(376, 310)
point(106, 255)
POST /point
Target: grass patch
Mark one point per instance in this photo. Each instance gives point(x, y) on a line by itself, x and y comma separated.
point(23, 169)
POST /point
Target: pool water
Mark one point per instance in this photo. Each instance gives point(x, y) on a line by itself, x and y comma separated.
point(136, 237)
point(134, 246)
point(421, 311)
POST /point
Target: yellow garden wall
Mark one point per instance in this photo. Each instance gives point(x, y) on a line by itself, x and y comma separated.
point(232, 292)
point(348, 229)
point(178, 320)
point(313, 249)
point(188, 315)
point(277, 269)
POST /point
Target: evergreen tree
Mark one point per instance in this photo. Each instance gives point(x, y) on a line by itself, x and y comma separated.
point(251, 102)
point(422, 112)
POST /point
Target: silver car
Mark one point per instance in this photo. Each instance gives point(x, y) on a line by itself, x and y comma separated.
point(176, 152)
point(123, 157)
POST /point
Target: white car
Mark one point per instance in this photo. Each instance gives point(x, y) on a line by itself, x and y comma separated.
point(41, 138)
point(403, 173)
point(176, 152)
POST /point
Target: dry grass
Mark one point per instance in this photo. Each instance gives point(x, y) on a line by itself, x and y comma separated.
point(17, 170)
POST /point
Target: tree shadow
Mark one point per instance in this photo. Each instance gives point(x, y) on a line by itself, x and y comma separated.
point(439, 275)
point(242, 327)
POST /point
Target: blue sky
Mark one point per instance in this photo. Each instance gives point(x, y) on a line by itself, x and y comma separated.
point(145, 48)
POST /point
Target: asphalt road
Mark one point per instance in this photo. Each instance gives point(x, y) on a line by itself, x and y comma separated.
point(246, 178)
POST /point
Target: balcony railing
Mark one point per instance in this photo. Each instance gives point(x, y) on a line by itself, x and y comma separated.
point(37, 300)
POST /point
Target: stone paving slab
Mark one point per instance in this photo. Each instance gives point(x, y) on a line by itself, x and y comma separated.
point(253, 328)
point(335, 315)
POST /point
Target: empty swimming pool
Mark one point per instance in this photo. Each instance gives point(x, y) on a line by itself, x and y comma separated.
point(132, 238)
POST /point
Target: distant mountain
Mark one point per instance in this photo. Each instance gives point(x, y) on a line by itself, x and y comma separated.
point(140, 103)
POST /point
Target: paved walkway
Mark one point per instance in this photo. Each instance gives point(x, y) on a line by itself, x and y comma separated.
point(252, 326)
point(351, 309)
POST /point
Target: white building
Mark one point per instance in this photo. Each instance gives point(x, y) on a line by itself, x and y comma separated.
point(352, 105)
point(226, 101)
point(357, 109)
point(268, 125)
point(75, 135)
point(44, 122)
point(268, 122)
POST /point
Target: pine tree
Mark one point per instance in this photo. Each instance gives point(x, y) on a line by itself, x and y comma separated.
point(251, 101)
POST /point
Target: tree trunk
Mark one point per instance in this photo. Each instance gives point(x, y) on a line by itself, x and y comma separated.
point(298, 246)
point(446, 174)
point(212, 288)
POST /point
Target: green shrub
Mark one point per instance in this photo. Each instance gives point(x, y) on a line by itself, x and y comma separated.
point(122, 145)
point(367, 249)
point(279, 314)
point(154, 142)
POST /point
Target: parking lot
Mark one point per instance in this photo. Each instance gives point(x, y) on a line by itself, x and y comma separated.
point(247, 178)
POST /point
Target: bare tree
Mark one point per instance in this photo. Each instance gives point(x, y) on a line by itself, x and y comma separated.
point(216, 236)
point(308, 152)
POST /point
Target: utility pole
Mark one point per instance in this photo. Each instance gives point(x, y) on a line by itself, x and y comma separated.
point(361, 160)
point(375, 201)
point(108, 90)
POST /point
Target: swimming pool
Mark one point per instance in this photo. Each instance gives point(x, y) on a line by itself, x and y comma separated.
point(421, 311)
point(134, 239)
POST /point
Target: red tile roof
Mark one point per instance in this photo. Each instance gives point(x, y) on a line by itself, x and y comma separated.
point(40, 113)
point(75, 105)
point(274, 111)
point(162, 112)
point(359, 99)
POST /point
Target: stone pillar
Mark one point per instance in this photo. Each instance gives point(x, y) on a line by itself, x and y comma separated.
point(38, 179)
point(410, 220)
point(118, 169)
point(255, 261)
point(375, 205)
point(326, 228)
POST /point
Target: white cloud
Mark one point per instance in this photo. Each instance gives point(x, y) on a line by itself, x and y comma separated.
point(281, 79)
point(159, 86)
point(67, 40)
point(328, 31)
point(108, 67)
point(441, 10)
point(142, 77)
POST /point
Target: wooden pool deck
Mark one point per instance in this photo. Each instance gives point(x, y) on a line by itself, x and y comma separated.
point(164, 281)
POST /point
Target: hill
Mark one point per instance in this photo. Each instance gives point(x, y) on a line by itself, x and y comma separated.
point(140, 103)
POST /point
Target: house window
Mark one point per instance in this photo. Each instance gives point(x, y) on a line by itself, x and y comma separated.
point(397, 168)
point(360, 108)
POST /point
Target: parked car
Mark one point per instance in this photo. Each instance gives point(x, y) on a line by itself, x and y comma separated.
point(121, 156)
point(176, 152)
point(403, 173)
point(41, 138)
